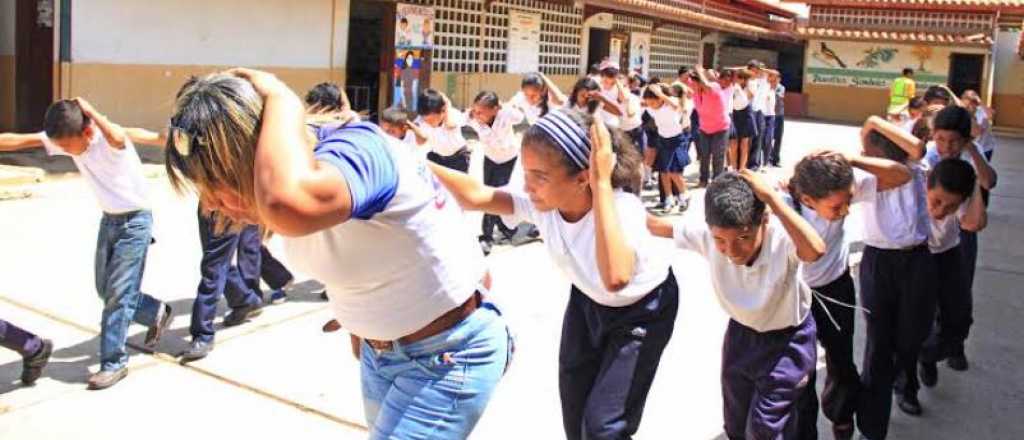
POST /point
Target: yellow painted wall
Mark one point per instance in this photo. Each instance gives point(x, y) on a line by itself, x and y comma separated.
point(844, 104)
point(1008, 96)
point(142, 95)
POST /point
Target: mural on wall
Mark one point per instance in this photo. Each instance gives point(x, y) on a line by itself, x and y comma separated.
point(408, 63)
point(640, 52)
point(414, 27)
point(873, 65)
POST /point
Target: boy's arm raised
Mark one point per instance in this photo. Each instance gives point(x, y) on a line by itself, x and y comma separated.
point(809, 245)
point(19, 141)
point(112, 132)
point(914, 147)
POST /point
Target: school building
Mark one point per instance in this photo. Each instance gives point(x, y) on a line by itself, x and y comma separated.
point(855, 48)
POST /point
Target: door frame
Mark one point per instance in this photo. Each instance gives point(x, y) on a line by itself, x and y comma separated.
point(35, 64)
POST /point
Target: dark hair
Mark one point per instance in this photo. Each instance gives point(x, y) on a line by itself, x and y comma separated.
point(487, 99)
point(936, 92)
point(649, 91)
point(743, 74)
point(430, 101)
point(817, 176)
point(610, 71)
point(405, 56)
point(886, 147)
point(922, 129)
point(594, 69)
point(917, 103)
point(728, 74)
point(908, 71)
point(953, 175)
point(954, 118)
point(678, 90)
point(683, 70)
point(628, 173)
point(394, 115)
point(325, 97)
point(584, 84)
point(404, 20)
point(755, 64)
point(63, 119)
point(536, 80)
point(730, 203)
point(654, 80)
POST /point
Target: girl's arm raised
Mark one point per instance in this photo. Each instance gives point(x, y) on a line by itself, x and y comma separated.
point(616, 260)
point(472, 194)
point(809, 245)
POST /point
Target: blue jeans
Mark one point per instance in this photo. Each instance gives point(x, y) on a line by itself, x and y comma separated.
point(120, 260)
point(436, 388)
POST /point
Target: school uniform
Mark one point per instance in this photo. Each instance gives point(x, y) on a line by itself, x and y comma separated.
point(768, 134)
point(633, 126)
point(758, 105)
point(400, 263)
point(769, 349)
point(445, 144)
point(115, 176)
point(780, 123)
point(611, 341)
point(530, 111)
point(897, 275)
point(743, 124)
point(19, 340)
point(671, 143)
point(272, 271)
point(829, 278)
point(501, 150)
point(609, 119)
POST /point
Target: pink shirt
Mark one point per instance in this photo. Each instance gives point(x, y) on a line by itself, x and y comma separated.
point(712, 109)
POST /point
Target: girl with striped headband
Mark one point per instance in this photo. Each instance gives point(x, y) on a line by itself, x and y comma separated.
point(581, 183)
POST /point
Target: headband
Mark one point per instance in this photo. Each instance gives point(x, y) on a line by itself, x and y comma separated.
point(568, 135)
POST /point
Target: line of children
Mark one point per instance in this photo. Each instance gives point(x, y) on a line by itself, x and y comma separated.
point(442, 124)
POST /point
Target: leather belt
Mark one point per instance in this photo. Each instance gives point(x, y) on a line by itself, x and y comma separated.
point(442, 323)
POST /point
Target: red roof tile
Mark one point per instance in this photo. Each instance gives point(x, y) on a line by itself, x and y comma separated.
point(980, 40)
point(984, 5)
point(688, 17)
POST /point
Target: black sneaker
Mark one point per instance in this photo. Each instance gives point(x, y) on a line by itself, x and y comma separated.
point(957, 362)
point(929, 374)
point(242, 315)
point(163, 320)
point(196, 350)
point(909, 404)
point(32, 366)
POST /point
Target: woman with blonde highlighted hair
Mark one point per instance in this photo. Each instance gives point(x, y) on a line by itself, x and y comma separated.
point(364, 215)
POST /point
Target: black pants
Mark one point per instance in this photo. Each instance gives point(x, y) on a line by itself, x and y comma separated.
point(842, 383)
point(896, 289)
point(272, 271)
point(608, 359)
point(458, 161)
point(954, 308)
point(495, 175)
point(776, 158)
point(757, 148)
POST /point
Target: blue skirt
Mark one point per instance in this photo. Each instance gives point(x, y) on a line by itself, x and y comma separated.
point(743, 124)
point(673, 153)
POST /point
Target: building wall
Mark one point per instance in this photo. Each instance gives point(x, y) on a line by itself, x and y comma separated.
point(130, 58)
point(461, 88)
point(1008, 90)
point(7, 23)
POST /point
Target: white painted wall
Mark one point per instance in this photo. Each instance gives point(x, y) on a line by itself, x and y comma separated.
point(1009, 69)
point(279, 33)
point(7, 23)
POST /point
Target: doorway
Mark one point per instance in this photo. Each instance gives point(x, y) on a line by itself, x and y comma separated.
point(599, 47)
point(34, 62)
point(370, 25)
point(708, 56)
point(965, 72)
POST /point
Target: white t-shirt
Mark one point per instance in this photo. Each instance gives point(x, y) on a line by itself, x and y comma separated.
point(770, 294)
point(572, 247)
point(986, 141)
point(443, 140)
point(835, 262)
point(759, 86)
point(115, 175)
point(499, 140)
point(611, 120)
point(740, 100)
point(532, 112)
point(633, 103)
point(668, 120)
point(769, 106)
point(898, 218)
point(945, 234)
point(908, 125)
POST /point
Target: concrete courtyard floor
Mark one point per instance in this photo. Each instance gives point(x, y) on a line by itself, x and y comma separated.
point(279, 376)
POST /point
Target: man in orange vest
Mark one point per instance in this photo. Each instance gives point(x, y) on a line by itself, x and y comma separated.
point(903, 88)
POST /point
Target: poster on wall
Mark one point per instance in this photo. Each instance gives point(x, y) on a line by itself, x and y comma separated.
point(523, 42)
point(615, 48)
point(874, 65)
point(414, 27)
point(406, 74)
point(640, 52)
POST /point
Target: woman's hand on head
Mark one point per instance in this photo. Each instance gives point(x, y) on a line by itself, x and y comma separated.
point(602, 157)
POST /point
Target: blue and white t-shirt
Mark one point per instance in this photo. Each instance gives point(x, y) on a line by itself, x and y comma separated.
point(403, 259)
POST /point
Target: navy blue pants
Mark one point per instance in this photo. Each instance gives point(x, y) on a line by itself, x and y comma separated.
point(764, 375)
point(756, 158)
point(780, 123)
point(458, 161)
point(969, 249)
point(896, 289)
point(18, 339)
point(953, 319)
point(272, 271)
point(842, 382)
point(608, 359)
point(496, 175)
point(768, 154)
point(239, 283)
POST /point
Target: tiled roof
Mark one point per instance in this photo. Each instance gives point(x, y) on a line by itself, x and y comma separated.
point(688, 17)
point(772, 7)
point(980, 40)
point(925, 4)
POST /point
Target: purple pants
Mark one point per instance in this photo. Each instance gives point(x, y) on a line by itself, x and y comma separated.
point(763, 378)
point(15, 338)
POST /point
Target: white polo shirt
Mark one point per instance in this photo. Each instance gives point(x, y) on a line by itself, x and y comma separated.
point(740, 100)
point(835, 262)
point(633, 103)
point(572, 248)
point(611, 120)
point(530, 111)
point(770, 294)
point(668, 120)
point(898, 218)
point(944, 234)
point(499, 139)
point(443, 140)
point(115, 175)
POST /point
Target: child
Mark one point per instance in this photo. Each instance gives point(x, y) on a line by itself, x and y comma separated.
point(106, 157)
point(758, 88)
point(585, 96)
point(613, 95)
point(35, 352)
point(896, 279)
point(952, 138)
point(954, 204)
point(769, 349)
point(365, 216)
point(983, 115)
point(822, 188)
point(537, 95)
point(671, 157)
point(395, 123)
point(631, 122)
point(915, 110)
point(624, 299)
point(779, 92)
point(494, 124)
point(220, 275)
point(743, 124)
point(442, 124)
